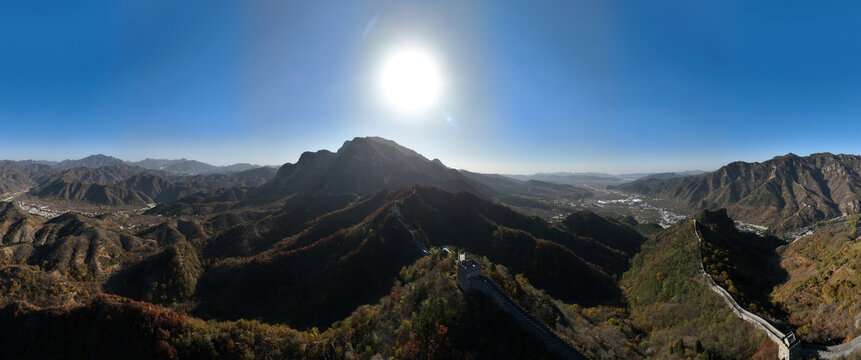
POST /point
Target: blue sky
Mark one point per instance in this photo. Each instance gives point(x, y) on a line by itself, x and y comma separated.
point(613, 86)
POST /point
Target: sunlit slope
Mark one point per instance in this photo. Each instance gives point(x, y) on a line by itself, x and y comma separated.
point(783, 193)
point(823, 292)
point(670, 302)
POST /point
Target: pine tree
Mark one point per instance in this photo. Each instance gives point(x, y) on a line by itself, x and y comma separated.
point(678, 347)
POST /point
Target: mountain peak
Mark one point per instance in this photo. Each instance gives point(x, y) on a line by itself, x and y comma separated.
point(366, 165)
point(310, 156)
point(92, 161)
point(374, 141)
point(100, 156)
point(788, 156)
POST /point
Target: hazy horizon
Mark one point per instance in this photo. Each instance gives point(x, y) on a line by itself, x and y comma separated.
point(516, 89)
point(540, 171)
point(294, 157)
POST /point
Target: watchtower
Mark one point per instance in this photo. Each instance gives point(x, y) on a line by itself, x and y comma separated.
point(466, 270)
point(789, 348)
point(396, 211)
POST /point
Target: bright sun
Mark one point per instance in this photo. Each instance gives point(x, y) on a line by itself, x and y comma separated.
point(410, 80)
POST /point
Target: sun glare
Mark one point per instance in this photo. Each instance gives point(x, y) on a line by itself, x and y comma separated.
point(410, 80)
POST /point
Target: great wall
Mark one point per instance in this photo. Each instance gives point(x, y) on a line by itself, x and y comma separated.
point(471, 279)
point(789, 346)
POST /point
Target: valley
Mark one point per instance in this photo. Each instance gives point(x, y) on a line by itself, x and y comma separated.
point(315, 252)
point(602, 201)
point(430, 180)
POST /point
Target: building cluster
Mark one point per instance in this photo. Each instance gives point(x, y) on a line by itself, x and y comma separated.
point(41, 210)
point(627, 201)
point(46, 212)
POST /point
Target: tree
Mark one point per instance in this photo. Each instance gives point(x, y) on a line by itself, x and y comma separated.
point(698, 347)
point(678, 347)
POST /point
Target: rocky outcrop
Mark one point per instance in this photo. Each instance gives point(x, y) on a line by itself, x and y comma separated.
point(786, 192)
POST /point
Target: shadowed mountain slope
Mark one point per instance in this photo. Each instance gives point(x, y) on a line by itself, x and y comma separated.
point(425, 317)
point(365, 166)
point(352, 254)
point(562, 263)
point(312, 285)
point(745, 264)
point(609, 232)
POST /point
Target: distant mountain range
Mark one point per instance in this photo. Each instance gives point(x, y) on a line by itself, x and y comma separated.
point(104, 180)
point(663, 175)
point(590, 178)
point(503, 184)
point(317, 246)
point(785, 192)
point(179, 166)
point(361, 166)
point(366, 165)
point(191, 167)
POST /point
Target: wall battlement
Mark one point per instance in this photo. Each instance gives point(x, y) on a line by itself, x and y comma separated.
point(470, 279)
